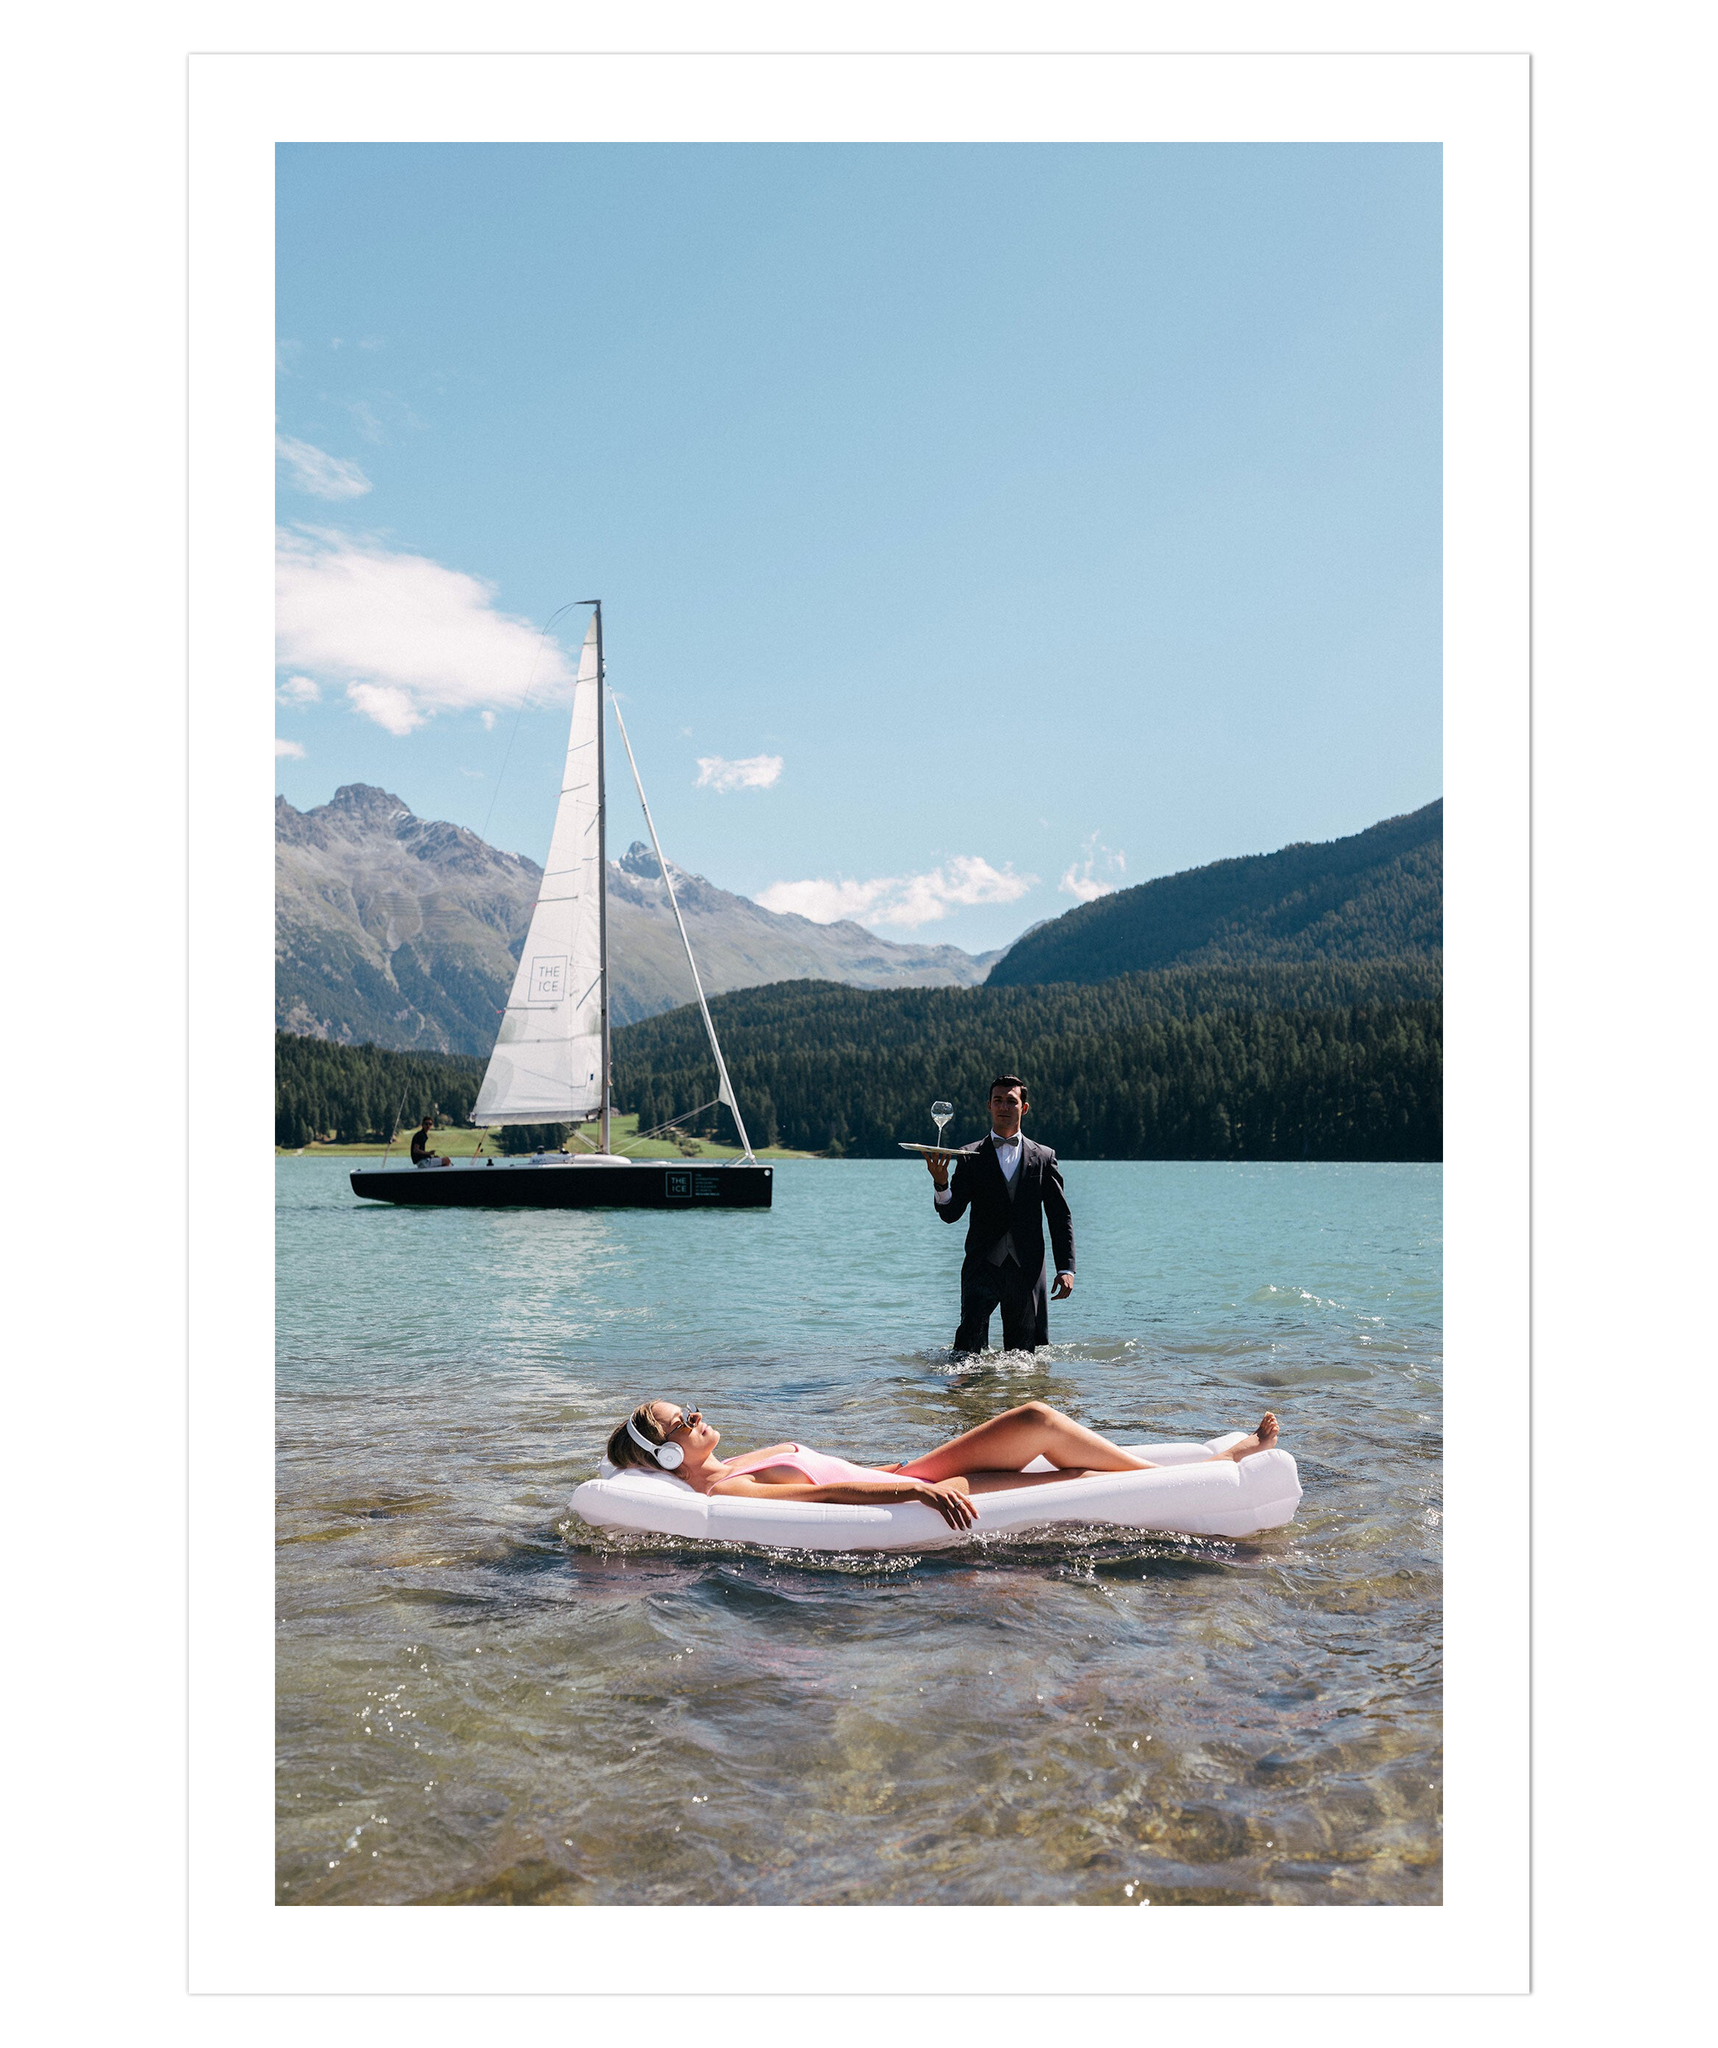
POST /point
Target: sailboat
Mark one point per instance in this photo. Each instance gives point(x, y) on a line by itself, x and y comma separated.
point(551, 1060)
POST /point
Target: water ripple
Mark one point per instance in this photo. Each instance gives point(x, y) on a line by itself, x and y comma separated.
point(481, 1700)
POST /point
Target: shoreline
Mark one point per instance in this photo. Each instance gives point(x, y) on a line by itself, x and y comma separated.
point(709, 1155)
point(717, 1155)
point(456, 1141)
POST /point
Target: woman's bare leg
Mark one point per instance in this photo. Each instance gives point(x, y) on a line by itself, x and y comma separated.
point(1000, 1447)
point(1011, 1440)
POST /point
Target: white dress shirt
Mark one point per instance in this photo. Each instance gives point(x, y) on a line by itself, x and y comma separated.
point(1007, 1157)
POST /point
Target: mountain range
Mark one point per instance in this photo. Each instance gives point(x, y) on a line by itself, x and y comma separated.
point(405, 932)
point(1376, 895)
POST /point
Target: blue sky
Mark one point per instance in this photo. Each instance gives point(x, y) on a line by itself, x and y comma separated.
point(977, 527)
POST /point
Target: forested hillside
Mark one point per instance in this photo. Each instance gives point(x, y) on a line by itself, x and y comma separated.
point(352, 1092)
point(1376, 895)
point(1328, 1061)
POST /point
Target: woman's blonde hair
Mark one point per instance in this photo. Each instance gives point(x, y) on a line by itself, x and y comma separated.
point(622, 1451)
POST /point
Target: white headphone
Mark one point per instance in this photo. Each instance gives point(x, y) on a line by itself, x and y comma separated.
point(668, 1456)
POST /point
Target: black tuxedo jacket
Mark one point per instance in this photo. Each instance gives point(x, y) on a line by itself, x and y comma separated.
point(980, 1193)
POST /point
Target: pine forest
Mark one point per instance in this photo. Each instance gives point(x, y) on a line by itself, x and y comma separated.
point(1330, 1060)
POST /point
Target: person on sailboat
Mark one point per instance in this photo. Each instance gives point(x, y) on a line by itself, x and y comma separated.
point(1011, 1189)
point(423, 1153)
point(677, 1439)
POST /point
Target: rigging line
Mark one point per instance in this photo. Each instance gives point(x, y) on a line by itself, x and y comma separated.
point(656, 1130)
point(392, 1128)
point(518, 716)
point(726, 1086)
point(715, 1102)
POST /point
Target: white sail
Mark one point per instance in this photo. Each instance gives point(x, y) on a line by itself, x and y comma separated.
point(547, 1064)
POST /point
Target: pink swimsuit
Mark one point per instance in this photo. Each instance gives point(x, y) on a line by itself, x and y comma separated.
point(816, 1466)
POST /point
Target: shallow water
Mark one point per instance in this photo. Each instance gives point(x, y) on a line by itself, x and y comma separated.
point(482, 1699)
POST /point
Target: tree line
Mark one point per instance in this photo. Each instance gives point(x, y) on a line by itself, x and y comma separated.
point(1324, 1061)
point(351, 1093)
point(1329, 1060)
point(364, 1094)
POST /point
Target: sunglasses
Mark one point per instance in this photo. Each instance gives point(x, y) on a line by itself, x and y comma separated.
point(687, 1417)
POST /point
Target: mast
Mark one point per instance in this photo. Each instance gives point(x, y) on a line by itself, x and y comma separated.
point(602, 877)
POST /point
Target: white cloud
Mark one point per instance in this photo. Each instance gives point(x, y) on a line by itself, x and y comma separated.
point(288, 750)
point(488, 718)
point(907, 900)
point(298, 690)
point(1083, 878)
point(757, 771)
point(391, 708)
point(322, 476)
point(406, 637)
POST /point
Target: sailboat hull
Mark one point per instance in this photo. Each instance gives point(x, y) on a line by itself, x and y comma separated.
point(554, 1183)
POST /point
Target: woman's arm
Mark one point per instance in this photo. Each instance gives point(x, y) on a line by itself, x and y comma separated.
point(948, 1496)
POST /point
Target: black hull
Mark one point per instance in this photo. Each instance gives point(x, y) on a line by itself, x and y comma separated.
point(659, 1184)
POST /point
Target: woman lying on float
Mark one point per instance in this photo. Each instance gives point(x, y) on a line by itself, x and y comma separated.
point(988, 1459)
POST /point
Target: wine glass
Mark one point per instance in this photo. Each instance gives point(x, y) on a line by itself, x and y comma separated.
point(940, 1114)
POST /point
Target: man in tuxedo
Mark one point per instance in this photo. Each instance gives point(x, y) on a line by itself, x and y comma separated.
point(1010, 1189)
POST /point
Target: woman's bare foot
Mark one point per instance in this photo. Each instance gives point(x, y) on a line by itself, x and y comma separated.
point(1262, 1440)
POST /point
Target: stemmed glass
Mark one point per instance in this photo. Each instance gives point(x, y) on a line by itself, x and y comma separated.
point(940, 1114)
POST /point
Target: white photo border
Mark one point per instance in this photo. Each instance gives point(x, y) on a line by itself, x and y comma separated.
point(1476, 107)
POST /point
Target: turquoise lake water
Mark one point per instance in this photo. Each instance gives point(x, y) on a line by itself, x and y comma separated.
point(481, 1699)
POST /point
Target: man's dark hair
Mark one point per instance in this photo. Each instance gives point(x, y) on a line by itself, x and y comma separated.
point(1009, 1081)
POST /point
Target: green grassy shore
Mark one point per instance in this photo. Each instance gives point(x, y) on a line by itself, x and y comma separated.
point(454, 1143)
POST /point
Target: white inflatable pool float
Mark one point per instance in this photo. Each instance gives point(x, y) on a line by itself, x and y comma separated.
point(1185, 1495)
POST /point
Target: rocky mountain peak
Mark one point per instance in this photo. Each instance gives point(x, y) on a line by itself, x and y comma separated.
point(289, 825)
point(406, 931)
point(364, 804)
